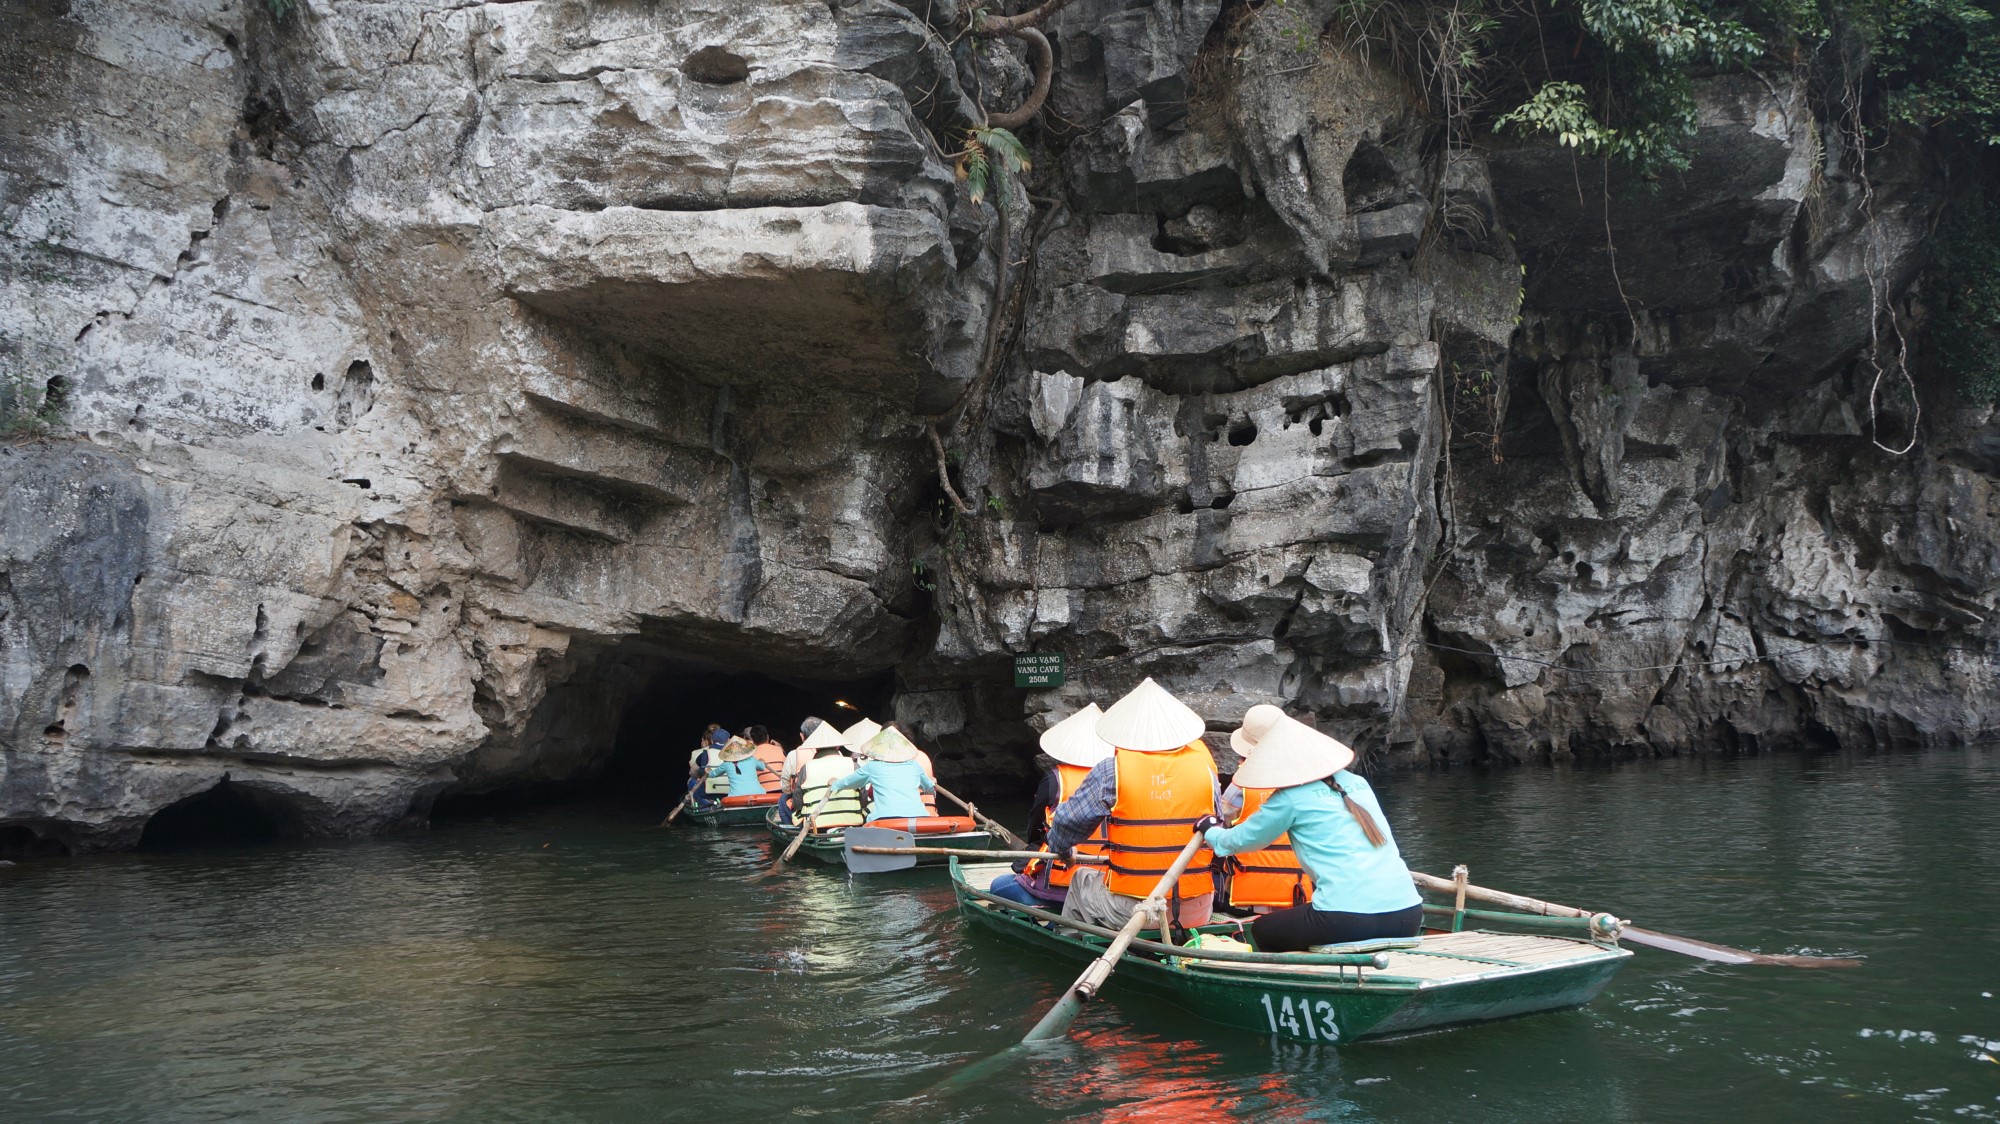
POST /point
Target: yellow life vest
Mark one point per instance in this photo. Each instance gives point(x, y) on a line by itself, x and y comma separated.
point(843, 808)
point(715, 785)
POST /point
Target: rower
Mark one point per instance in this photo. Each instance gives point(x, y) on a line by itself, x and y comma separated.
point(1147, 797)
point(1361, 888)
point(819, 734)
point(830, 763)
point(889, 764)
point(1075, 747)
point(767, 748)
point(739, 768)
point(707, 789)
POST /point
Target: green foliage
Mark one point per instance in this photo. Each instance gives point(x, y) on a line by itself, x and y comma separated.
point(29, 407)
point(989, 157)
point(1940, 61)
point(1966, 305)
point(281, 8)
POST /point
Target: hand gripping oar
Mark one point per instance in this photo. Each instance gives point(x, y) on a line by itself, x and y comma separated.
point(996, 828)
point(805, 826)
point(876, 850)
point(1056, 1023)
point(1686, 946)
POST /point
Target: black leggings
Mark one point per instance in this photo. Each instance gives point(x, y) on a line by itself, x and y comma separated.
point(1301, 927)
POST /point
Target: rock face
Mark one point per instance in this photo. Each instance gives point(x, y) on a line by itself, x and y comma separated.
point(437, 374)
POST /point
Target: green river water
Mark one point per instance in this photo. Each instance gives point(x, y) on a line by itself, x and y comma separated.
point(577, 964)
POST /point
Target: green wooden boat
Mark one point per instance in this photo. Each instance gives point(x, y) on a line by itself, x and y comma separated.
point(829, 845)
point(717, 816)
point(1439, 980)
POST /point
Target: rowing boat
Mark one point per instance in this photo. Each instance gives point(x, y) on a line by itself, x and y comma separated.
point(1374, 989)
point(829, 845)
point(728, 815)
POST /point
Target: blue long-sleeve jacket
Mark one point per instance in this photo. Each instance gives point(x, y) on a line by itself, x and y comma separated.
point(899, 786)
point(1350, 875)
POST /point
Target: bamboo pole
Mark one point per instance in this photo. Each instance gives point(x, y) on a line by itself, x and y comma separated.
point(1376, 960)
point(1057, 1022)
point(1611, 926)
point(999, 829)
point(967, 852)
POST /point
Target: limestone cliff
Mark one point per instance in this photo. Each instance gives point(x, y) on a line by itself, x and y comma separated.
point(437, 373)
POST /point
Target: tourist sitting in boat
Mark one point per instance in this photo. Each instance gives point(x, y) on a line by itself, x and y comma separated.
point(1361, 889)
point(1075, 748)
point(1147, 796)
point(740, 767)
point(822, 735)
point(767, 748)
point(706, 789)
point(890, 768)
point(829, 764)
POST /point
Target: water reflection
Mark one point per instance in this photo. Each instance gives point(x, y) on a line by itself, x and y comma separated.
point(576, 965)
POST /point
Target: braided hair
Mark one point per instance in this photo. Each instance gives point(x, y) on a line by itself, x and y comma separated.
point(1369, 827)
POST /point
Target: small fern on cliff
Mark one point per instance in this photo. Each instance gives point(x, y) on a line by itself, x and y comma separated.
point(988, 158)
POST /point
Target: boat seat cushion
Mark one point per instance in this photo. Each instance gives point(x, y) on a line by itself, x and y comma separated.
point(755, 800)
point(929, 825)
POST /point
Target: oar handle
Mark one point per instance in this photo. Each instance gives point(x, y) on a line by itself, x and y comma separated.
point(1458, 888)
point(967, 852)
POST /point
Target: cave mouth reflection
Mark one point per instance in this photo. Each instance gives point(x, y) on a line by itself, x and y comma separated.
point(663, 721)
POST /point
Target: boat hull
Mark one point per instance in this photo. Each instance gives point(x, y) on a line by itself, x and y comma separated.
point(1331, 1005)
point(830, 846)
point(749, 816)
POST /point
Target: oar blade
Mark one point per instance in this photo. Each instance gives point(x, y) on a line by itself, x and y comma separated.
point(1057, 1022)
point(862, 863)
point(1723, 954)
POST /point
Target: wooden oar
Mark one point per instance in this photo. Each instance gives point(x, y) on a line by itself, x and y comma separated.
point(1686, 946)
point(898, 851)
point(678, 809)
point(805, 826)
point(1056, 1023)
point(993, 826)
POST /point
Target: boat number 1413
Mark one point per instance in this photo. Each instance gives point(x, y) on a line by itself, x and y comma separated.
point(1297, 1021)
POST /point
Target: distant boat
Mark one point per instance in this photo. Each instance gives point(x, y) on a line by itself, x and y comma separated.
point(734, 811)
point(829, 845)
point(1340, 993)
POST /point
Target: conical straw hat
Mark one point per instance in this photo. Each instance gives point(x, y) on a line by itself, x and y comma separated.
point(857, 735)
point(1074, 740)
point(825, 736)
point(736, 749)
point(1150, 720)
point(1282, 751)
point(889, 745)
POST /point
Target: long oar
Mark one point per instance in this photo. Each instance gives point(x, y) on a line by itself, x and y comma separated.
point(678, 809)
point(1686, 946)
point(876, 850)
point(805, 827)
point(993, 826)
point(1056, 1023)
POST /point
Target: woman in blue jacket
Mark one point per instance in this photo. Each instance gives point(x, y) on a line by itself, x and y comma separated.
point(1361, 888)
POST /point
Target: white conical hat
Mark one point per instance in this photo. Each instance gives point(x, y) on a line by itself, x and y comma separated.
point(1074, 740)
point(824, 736)
point(889, 745)
point(1280, 751)
point(1150, 720)
point(857, 735)
point(736, 749)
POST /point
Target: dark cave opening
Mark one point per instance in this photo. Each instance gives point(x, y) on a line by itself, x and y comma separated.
point(663, 721)
point(225, 814)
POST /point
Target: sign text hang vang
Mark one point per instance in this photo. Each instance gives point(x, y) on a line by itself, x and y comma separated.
point(1039, 669)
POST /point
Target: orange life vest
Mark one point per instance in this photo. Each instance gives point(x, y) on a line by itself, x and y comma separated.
point(1272, 876)
point(772, 754)
point(1070, 778)
point(1160, 795)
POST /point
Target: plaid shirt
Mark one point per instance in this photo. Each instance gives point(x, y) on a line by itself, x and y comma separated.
point(1077, 817)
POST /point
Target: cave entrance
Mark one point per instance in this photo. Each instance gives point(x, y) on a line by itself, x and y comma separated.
point(226, 814)
point(664, 718)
